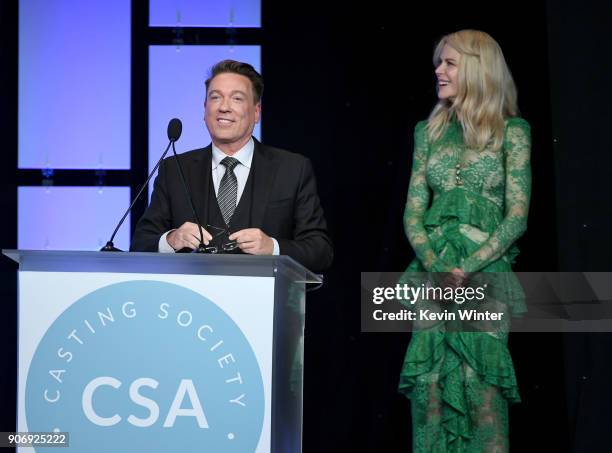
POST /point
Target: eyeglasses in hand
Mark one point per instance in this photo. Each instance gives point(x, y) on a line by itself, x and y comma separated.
point(220, 235)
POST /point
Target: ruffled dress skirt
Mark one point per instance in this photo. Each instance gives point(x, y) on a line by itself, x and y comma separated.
point(460, 382)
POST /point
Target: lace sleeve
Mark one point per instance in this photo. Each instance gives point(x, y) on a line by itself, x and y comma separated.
point(517, 147)
point(418, 202)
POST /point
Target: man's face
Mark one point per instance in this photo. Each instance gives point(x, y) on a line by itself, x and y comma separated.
point(230, 112)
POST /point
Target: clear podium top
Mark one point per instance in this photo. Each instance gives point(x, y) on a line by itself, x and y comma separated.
point(164, 263)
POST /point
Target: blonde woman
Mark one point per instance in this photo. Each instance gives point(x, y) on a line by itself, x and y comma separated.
point(467, 205)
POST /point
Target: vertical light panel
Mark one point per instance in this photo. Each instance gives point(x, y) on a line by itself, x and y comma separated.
point(205, 13)
point(74, 84)
point(71, 218)
point(177, 90)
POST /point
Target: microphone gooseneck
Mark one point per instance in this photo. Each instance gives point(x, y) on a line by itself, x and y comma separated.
point(201, 248)
point(175, 128)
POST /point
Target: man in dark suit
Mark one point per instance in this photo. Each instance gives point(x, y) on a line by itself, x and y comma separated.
point(255, 198)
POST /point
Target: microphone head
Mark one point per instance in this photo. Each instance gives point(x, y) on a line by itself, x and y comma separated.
point(175, 128)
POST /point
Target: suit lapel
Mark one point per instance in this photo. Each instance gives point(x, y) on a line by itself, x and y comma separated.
point(264, 169)
point(199, 180)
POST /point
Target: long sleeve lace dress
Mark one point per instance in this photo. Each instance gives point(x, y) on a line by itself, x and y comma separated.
point(460, 383)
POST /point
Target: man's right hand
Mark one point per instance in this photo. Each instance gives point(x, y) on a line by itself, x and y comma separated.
point(187, 236)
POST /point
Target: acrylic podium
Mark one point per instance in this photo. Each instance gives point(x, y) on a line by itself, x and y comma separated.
point(148, 352)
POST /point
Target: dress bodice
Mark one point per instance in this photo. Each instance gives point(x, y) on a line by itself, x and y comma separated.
point(454, 187)
point(451, 165)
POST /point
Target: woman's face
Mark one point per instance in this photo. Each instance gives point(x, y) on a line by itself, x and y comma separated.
point(447, 72)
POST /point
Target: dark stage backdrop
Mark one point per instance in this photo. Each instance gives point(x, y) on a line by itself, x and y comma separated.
point(8, 204)
point(580, 56)
point(560, 58)
point(398, 90)
point(346, 88)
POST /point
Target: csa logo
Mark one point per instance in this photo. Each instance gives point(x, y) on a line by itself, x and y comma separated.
point(146, 366)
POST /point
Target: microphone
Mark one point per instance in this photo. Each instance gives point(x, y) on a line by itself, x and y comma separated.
point(175, 128)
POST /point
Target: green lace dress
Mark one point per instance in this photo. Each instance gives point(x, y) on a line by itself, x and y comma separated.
point(460, 383)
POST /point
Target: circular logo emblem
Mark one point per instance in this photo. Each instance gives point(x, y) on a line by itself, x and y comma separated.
point(146, 366)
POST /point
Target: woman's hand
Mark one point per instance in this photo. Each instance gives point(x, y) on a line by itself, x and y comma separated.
point(456, 277)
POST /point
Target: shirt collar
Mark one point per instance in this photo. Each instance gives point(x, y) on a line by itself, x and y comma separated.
point(244, 154)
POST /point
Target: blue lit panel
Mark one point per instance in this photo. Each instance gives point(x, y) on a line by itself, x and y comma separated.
point(74, 84)
point(177, 90)
point(205, 13)
point(71, 218)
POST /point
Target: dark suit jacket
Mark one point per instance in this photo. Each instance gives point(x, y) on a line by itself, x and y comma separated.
point(285, 204)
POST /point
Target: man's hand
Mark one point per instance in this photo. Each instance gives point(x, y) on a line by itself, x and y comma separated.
point(253, 241)
point(187, 236)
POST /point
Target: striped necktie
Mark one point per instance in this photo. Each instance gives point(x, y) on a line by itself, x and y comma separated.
point(228, 189)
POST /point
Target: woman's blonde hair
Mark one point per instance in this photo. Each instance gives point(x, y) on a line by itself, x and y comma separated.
point(486, 94)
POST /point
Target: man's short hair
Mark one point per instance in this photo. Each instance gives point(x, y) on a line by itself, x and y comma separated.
point(243, 69)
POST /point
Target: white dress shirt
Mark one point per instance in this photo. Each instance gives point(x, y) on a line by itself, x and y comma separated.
point(245, 156)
